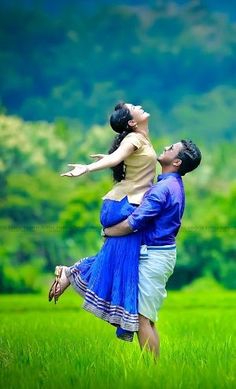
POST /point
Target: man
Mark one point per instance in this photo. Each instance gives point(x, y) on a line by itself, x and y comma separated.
point(159, 217)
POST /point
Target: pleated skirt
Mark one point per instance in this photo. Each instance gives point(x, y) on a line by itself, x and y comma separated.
point(108, 281)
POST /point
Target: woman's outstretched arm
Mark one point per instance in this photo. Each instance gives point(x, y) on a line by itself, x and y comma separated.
point(106, 161)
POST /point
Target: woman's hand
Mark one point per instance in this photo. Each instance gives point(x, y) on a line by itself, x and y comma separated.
point(78, 170)
point(98, 156)
point(103, 161)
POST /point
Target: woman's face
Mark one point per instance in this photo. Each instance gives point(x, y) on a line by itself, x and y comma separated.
point(137, 112)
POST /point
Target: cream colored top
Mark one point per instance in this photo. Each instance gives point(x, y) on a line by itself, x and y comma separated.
point(140, 170)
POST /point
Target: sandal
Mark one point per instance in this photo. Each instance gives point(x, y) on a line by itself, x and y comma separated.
point(59, 285)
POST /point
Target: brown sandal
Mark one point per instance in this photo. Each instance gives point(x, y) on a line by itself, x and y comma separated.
point(59, 285)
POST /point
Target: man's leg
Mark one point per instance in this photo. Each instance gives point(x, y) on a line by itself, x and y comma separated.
point(148, 336)
point(157, 337)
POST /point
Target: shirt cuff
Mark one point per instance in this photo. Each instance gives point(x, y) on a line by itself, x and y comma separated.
point(131, 223)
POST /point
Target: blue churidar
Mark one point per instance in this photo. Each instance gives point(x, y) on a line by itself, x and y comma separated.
point(108, 281)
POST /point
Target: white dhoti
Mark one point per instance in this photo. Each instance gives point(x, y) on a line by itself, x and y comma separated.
point(155, 267)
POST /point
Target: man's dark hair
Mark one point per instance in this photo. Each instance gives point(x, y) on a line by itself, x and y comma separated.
point(119, 123)
point(190, 156)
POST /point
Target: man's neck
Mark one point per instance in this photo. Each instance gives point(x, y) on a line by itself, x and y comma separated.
point(168, 169)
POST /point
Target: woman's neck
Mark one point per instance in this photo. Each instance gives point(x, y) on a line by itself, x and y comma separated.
point(142, 128)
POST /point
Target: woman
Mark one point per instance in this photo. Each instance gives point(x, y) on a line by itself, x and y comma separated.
point(109, 281)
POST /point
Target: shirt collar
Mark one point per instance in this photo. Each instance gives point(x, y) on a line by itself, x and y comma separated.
point(166, 175)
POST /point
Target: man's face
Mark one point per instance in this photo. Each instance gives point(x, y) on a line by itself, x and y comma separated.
point(169, 154)
point(138, 113)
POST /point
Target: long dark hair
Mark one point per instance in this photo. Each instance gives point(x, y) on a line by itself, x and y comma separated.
point(119, 123)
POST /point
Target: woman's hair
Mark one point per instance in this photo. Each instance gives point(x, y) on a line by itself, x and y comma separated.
point(190, 156)
point(119, 123)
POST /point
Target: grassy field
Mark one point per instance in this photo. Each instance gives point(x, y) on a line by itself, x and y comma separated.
point(62, 346)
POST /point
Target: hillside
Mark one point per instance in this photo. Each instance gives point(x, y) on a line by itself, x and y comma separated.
point(75, 60)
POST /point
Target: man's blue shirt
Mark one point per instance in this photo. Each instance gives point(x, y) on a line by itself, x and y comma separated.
point(159, 215)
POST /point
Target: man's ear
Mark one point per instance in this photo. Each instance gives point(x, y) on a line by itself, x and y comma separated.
point(132, 123)
point(177, 162)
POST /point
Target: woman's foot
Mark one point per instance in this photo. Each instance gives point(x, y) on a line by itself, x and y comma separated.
point(59, 285)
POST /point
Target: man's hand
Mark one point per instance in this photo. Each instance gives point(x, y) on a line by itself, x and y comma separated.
point(120, 229)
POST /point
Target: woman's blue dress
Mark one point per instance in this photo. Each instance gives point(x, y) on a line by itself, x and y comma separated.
point(108, 281)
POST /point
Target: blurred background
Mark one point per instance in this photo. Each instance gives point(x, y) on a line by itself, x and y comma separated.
point(63, 66)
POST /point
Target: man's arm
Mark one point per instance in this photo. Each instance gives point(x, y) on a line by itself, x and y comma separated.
point(120, 229)
point(150, 208)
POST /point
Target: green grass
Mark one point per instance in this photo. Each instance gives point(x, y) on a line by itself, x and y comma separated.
point(62, 346)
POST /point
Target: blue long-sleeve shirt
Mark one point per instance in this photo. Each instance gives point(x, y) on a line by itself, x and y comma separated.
point(159, 215)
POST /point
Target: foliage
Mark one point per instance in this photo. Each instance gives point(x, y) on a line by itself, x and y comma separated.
point(68, 63)
point(48, 220)
point(206, 243)
point(76, 60)
point(22, 278)
point(80, 218)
